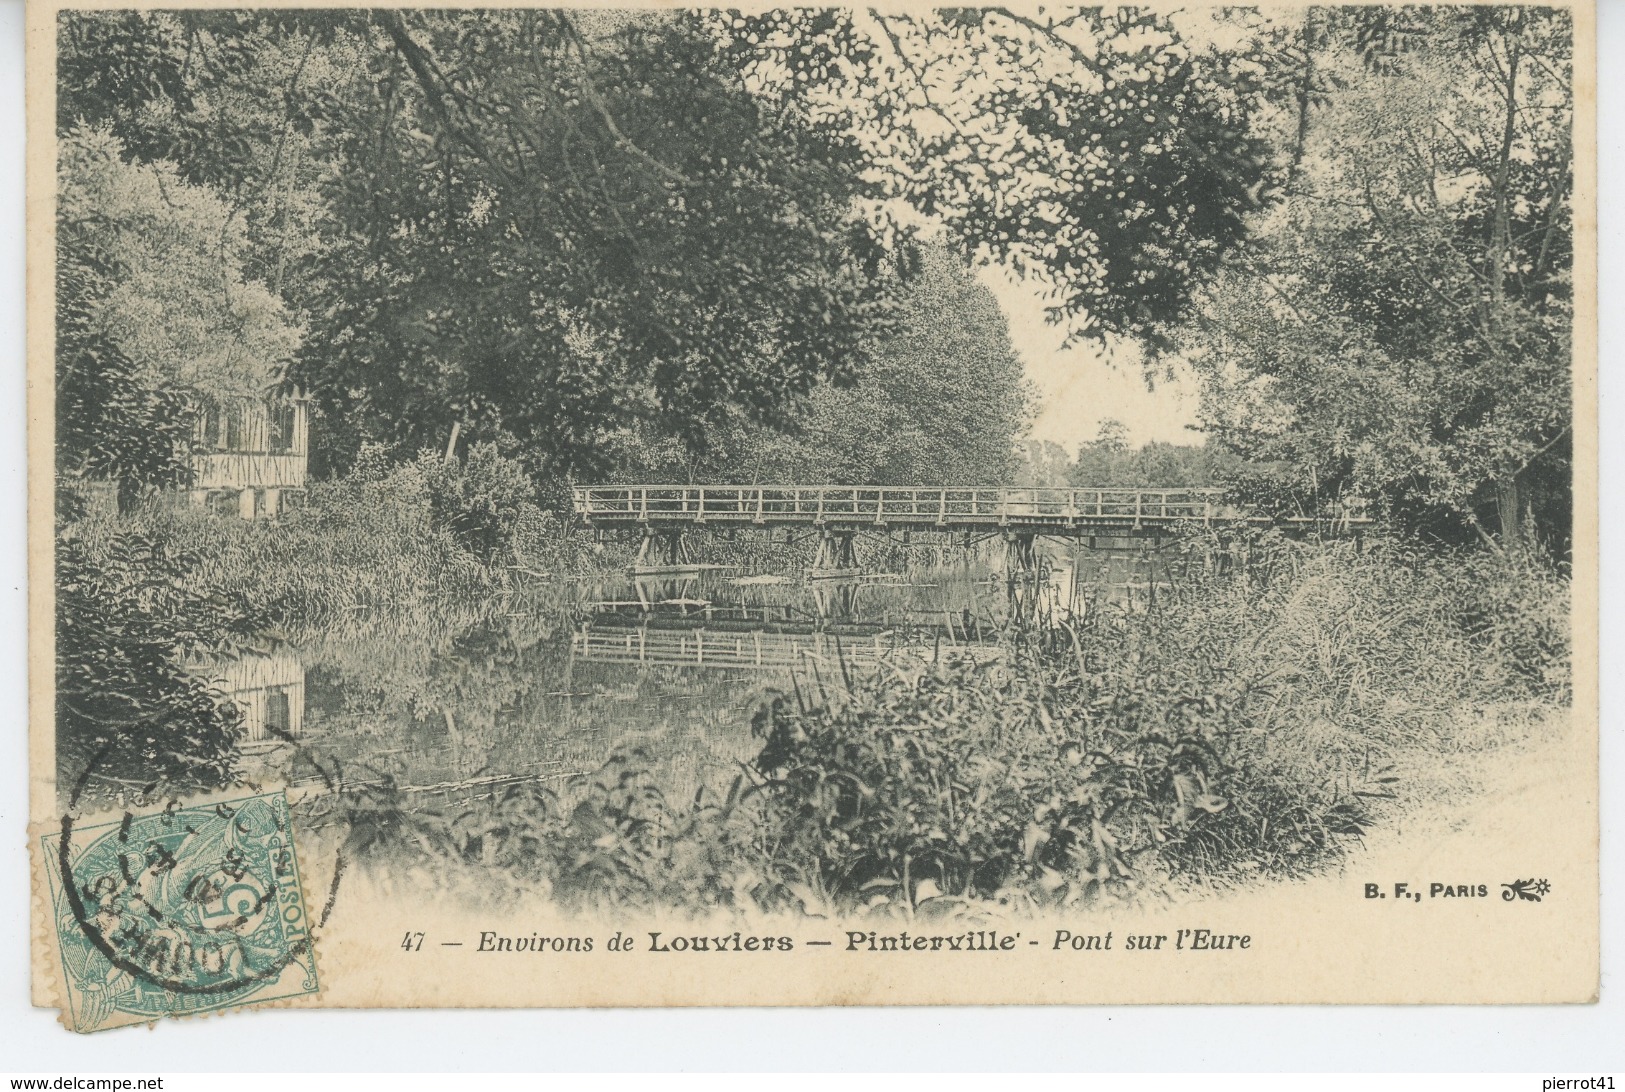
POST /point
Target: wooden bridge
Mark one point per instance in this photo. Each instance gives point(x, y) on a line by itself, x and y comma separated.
point(1019, 515)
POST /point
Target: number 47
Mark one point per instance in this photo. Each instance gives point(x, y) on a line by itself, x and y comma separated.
point(413, 942)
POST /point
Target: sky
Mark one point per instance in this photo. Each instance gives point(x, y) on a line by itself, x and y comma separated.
point(1081, 387)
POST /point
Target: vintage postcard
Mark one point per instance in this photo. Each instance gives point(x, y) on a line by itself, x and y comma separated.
point(564, 506)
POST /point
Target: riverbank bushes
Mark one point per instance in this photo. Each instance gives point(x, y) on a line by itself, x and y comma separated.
point(128, 713)
point(1242, 728)
point(387, 537)
point(142, 598)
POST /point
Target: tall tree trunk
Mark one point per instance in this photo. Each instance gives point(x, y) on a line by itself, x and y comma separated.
point(1500, 244)
point(1513, 501)
point(1305, 92)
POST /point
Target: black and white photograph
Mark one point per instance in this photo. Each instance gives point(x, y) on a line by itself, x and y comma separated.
point(540, 506)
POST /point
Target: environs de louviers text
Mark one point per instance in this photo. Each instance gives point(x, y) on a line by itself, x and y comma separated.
point(856, 940)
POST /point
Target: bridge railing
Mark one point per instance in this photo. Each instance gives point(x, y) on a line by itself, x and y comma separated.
point(741, 650)
point(886, 504)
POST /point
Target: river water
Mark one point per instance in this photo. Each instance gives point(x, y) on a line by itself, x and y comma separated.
point(552, 683)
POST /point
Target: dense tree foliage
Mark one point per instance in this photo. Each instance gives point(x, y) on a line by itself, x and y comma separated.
point(1041, 463)
point(179, 305)
point(542, 227)
point(564, 244)
point(1098, 153)
point(109, 424)
point(561, 230)
point(1154, 465)
point(154, 312)
point(1109, 460)
point(524, 226)
point(942, 401)
point(566, 228)
point(1399, 325)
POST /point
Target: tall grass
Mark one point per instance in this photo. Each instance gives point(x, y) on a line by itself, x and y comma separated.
point(1242, 728)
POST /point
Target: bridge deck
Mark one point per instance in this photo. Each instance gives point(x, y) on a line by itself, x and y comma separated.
point(915, 507)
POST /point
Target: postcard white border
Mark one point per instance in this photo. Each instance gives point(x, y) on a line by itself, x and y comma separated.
point(1564, 1038)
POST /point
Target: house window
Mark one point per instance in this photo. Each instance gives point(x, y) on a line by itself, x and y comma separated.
point(212, 435)
point(282, 427)
point(234, 428)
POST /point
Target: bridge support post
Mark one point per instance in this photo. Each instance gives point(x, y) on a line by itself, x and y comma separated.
point(836, 600)
point(661, 548)
point(1020, 555)
point(837, 553)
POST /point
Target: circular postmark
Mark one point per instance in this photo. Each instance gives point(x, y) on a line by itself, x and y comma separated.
point(187, 908)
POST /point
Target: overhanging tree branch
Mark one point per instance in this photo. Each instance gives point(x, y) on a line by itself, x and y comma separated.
point(434, 90)
point(1048, 32)
point(596, 100)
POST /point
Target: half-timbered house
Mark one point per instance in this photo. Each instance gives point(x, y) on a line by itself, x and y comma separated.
point(251, 455)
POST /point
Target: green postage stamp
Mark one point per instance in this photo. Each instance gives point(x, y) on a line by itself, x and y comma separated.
point(190, 909)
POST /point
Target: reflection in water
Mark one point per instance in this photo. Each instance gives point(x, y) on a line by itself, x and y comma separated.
point(778, 627)
point(268, 688)
point(676, 666)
